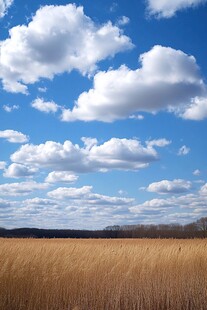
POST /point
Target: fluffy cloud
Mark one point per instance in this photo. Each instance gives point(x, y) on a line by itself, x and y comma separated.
point(21, 189)
point(203, 190)
point(197, 110)
point(13, 136)
point(173, 206)
point(45, 106)
point(176, 186)
point(2, 165)
point(167, 80)
point(151, 205)
point(184, 150)
point(4, 5)
point(9, 109)
point(158, 142)
point(18, 171)
point(58, 39)
point(196, 172)
point(124, 20)
point(166, 8)
point(121, 154)
point(86, 195)
point(61, 176)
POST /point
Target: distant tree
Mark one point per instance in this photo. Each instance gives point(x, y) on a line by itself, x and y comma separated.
point(202, 225)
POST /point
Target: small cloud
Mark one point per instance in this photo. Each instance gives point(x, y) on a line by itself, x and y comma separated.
point(142, 188)
point(196, 172)
point(4, 5)
point(176, 186)
point(2, 165)
point(114, 7)
point(167, 8)
point(158, 142)
point(8, 108)
point(45, 106)
point(124, 20)
point(139, 117)
point(61, 176)
point(184, 150)
point(19, 171)
point(13, 136)
point(42, 89)
point(122, 192)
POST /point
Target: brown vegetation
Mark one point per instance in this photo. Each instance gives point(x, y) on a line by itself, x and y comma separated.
point(95, 274)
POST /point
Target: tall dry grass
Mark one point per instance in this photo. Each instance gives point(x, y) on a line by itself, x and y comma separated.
point(103, 274)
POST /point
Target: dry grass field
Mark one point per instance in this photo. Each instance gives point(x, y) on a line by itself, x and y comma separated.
point(90, 274)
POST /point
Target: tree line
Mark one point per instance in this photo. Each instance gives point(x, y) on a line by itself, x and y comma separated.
point(196, 229)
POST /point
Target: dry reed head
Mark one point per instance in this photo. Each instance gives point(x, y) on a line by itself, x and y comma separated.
point(73, 274)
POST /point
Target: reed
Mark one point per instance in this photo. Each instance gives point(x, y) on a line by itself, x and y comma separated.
point(97, 274)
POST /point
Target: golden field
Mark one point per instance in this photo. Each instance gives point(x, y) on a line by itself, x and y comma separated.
point(98, 274)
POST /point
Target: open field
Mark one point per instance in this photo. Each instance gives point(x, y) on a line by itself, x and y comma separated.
point(90, 274)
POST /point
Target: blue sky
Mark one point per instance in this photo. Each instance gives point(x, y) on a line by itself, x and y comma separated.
point(103, 113)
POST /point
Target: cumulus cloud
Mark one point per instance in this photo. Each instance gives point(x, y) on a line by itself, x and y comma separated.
point(184, 150)
point(173, 206)
point(124, 20)
point(61, 176)
point(176, 186)
point(203, 190)
point(119, 154)
point(167, 9)
point(151, 205)
point(13, 136)
point(45, 106)
point(21, 188)
point(42, 89)
point(58, 39)
point(2, 165)
point(197, 110)
point(196, 172)
point(85, 194)
point(19, 171)
point(9, 109)
point(4, 5)
point(167, 80)
point(158, 142)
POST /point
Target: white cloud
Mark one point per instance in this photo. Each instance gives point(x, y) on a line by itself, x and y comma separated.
point(61, 176)
point(158, 142)
point(203, 190)
point(196, 172)
point(124, 20)
point(184, 150)
point(119, 154)
point(167, 80)
point(197, 110)
point(176, 186)
point(13, 136)
point(9, 109)
point(167, 8)
point(45, 106)
point(21, 188)
point(58, 39)
point(4, 5)
point(42, 89)
point(172, 208)
point(2, 165)
point(139, 116)
point(18, 171)
point(150, 205)
point(36, 202)
point(85, 195)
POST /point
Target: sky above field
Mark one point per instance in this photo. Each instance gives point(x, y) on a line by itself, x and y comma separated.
point(103, 115)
